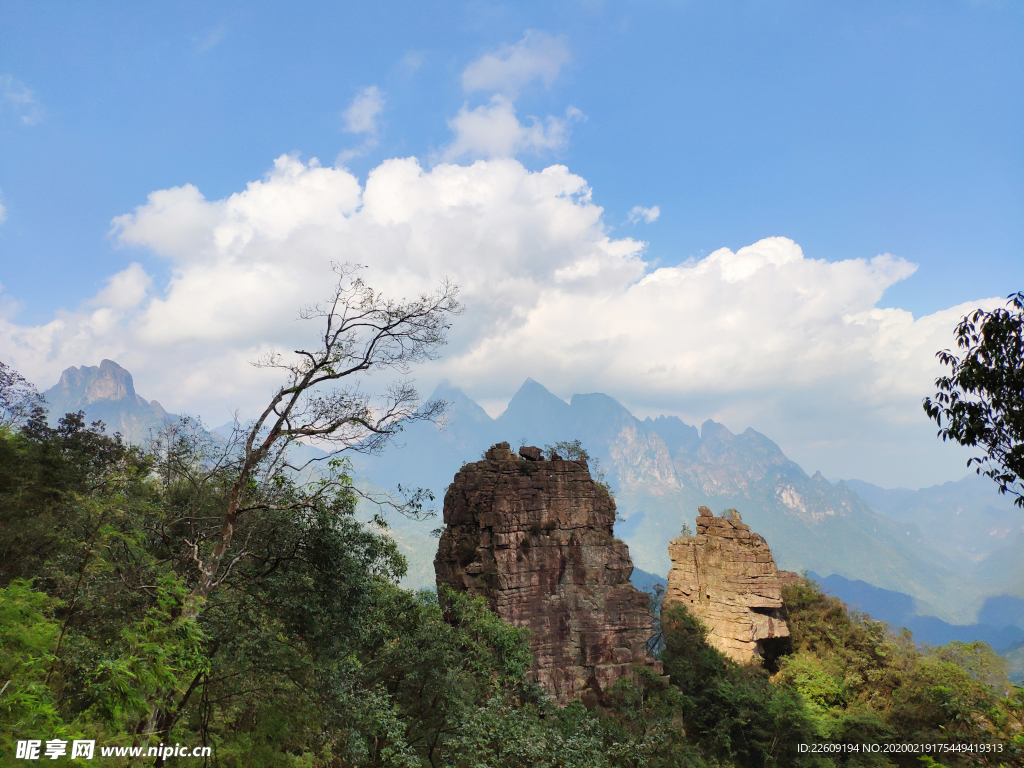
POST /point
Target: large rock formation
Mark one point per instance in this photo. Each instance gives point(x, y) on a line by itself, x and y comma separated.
point(106, 393)
point(726, 576)
point(534, 537)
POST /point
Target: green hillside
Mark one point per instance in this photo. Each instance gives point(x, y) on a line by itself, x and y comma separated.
point(309, 654)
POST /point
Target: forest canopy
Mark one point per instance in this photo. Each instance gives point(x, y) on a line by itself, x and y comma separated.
point(309, 653)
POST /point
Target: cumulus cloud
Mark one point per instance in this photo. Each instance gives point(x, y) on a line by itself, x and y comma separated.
point(763, 336)
point(639, 213)
point(537, 56)
point(494, 130)
point(126, 289)
point(17, 98)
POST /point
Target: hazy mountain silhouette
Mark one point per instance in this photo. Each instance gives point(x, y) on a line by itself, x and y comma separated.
point(866, 541)
point(662, 469)
point(106, 393)
point(966, 520)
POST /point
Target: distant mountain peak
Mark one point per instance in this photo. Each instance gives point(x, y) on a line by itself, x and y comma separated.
point(678, 436)
point(105, 392)
point(90, 384)
point(711, 429)
point(534, 398)
point(459, 403)
point(599, 402)
point(532, 387)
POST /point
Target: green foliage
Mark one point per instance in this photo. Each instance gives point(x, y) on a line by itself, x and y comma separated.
point(309, 654)
point(733, 713)
point(981, 402)
point(861, 685)
point(979, 661)
point(571, 450)
point(28, 635)
point(503, 734)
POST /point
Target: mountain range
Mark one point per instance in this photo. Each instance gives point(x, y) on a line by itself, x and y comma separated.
point(661, 470)
point(945, 561)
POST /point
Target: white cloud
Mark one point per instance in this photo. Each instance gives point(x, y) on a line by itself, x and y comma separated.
point(3, 211)
point(361, 115)
point(411, 61)
point(15, 96)
point(494, 130)
point(796, 347)
point(126, 289)
point(507, 70)
point(211, 39)
point(649, 215)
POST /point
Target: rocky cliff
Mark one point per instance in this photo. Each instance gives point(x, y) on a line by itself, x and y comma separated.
point(106, 393)
point(534, 536)
point(726, 576)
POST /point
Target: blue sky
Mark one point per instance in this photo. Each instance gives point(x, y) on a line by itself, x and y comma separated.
point(852, 129)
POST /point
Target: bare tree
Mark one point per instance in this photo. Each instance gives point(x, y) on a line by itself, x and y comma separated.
point(18, 398)
point(322, 399)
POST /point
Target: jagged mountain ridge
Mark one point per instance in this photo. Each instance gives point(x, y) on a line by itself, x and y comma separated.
point(662, 469)
point(106, 393)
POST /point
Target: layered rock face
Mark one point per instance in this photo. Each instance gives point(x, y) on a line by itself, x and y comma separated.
point(726, 576)
point(534, 536)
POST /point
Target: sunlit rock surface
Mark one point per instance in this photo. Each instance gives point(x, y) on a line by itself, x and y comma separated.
point(726, 576)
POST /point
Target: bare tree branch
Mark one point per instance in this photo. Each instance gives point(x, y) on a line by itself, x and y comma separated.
point(321, 402)
point(18, 398)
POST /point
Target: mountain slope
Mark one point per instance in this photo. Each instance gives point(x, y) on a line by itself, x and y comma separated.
point(966, 520)
point(1005, 567)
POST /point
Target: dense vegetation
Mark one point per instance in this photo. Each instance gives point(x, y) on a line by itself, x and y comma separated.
point(309, 654)
point(858, 683)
